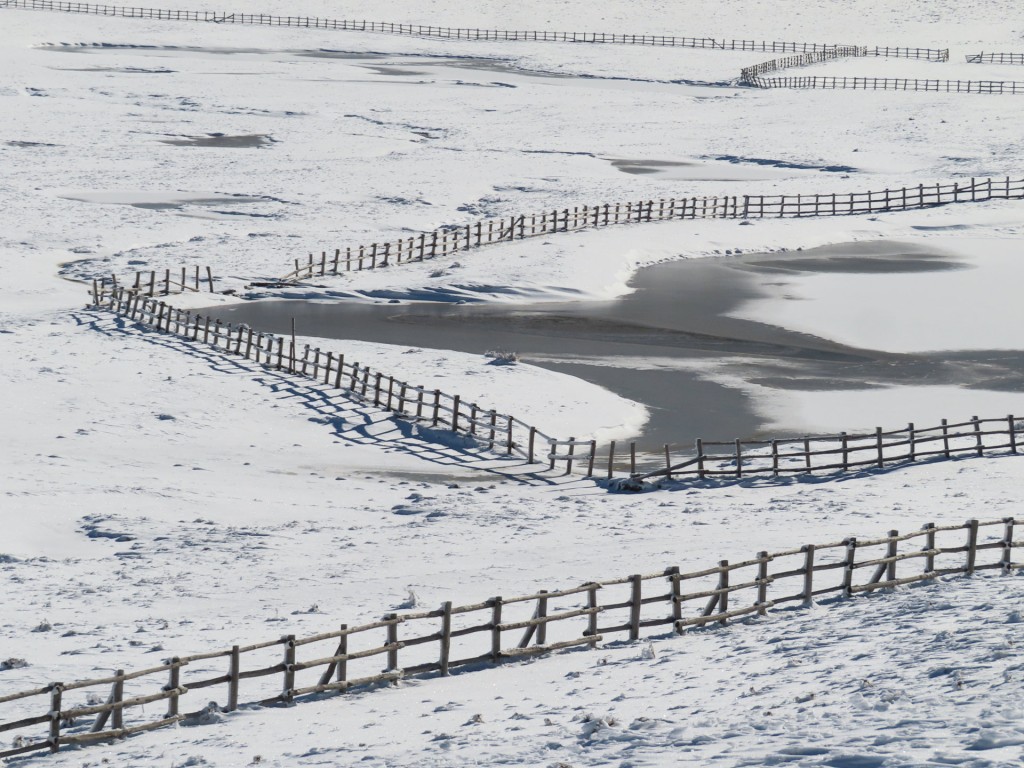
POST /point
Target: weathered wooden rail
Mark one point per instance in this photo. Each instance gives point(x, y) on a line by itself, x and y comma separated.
point(489, 632)
point(462, 237)
point(995, 58)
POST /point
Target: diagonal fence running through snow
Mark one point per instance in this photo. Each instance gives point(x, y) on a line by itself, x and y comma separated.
point(479, 635)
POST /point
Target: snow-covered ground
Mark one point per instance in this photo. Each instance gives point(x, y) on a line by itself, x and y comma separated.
point(240, 497)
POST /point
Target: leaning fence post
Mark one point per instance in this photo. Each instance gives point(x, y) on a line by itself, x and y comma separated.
point(972, 544)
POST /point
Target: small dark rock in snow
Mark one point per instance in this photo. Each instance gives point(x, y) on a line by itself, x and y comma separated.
point(12, 663)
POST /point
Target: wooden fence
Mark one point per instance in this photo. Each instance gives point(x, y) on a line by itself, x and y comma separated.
point(892, 84)
point(995, 58)
point(435, 642)
point(430, 31)
point(508, 435)
point(455, 238)
point(496, 432)
point(844, 452)
point(749, 75)
point(157, 282)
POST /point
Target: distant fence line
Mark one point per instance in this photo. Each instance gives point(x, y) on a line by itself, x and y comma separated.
point(455, 33)
point(434, 642)
point(995, 58)
point(508, 435)
point(158, 282)
point(892, 84)
point(455, 238)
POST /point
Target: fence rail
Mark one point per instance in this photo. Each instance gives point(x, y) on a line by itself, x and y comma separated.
point(435, 642)
point(892, 84)
point(995, 58)
point(456, 238)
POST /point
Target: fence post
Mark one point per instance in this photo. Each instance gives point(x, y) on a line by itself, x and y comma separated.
point(56, 693)
point(878, 442)
point(945, 438)
point(723, 596)
point(446, 635)
point(611, 458)
point(634, 606)
point(289, 668)
point(632, 457)
point(174, 680)
point(1011, 430)
point(234, 669)
point(929, 544)
point(739, 459)
point(808, 595)
point(542, 612)
point(848, 566)
point(572, 451)
point(455, 414)
point(972, 544)
point(977, 435)
point(1007, 559)
point(762, 582)
point(496, 629)
point(890, 568)
point(593, 454)
point(592, 618)
point(700, 458)
point(392, 642)
point(530, 443)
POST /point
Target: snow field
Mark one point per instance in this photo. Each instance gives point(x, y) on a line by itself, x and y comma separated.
point(255, 501)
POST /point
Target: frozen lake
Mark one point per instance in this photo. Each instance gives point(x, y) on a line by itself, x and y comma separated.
point(658, 344)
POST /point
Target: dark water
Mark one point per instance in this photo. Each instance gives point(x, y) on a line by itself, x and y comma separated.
point(675, 316)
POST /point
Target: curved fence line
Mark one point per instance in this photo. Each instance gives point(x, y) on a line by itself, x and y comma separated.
point(455, 238)
point(432, 643)
point(505, 434)
point(995, 58)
